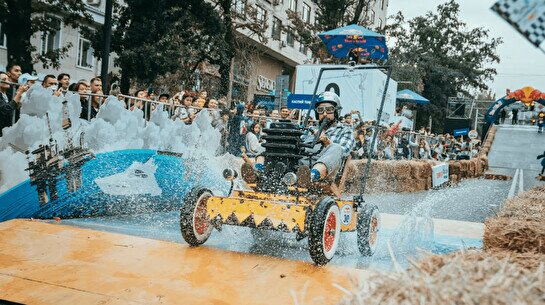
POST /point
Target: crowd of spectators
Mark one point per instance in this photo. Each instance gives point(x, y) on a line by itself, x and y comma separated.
point(393, 144)
point(241, 125)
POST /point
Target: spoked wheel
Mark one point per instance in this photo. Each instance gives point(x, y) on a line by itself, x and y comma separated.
point(194, 221)
point(324, 231)
point(367, 229)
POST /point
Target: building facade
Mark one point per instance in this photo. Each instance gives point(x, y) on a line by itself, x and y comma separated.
point(272, 68)
point(378, 13)
point(79, 61)
point(276, 58)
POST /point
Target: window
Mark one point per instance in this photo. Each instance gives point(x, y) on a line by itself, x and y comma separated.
point(372, 16)
point(240, 5)
point(85, 54)
point(306, 13)
point(302, 48)
point(3, 42)
point(382, 4)
point(293, 5)
point(380, 23)
point(276, 28)
point(261, 14)
point(52, 40)
point(289, 38)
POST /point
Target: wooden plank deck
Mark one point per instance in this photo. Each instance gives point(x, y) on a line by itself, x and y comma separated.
point(48, 263)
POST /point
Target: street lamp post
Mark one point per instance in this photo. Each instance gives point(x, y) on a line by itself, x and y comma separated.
point(106, 44)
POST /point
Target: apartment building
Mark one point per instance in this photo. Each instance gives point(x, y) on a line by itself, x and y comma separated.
point(274, 65)
point(378, 13)
point(79, 61)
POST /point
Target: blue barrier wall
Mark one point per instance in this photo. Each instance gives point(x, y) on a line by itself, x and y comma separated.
point(141, 191)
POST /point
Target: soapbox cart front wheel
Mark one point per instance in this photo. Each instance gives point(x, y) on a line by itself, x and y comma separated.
point(194, 221)
point(367, 229)
point(324, 231)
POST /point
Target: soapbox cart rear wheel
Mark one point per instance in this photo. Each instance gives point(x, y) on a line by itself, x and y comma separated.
point(367, 229)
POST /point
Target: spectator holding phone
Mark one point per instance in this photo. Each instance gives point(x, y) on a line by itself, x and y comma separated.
point(50, 82)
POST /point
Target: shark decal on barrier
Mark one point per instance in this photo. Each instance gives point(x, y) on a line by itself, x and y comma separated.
point(137, 179)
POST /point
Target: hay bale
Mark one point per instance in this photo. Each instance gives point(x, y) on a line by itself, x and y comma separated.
point(471, 168)
point(405, 185)
point(520, 225)
point(420, 185)
point(527, 208)
point(427, 171)
point(464, 172)
point(514, 235)
point(496, 176)
point(454, 179)
point(530, 261)
point(479, 170)
point(454, 168)
point(453, 279)
point(417, 170)
point(484, 162)
point(537, 192)
point(402, 169)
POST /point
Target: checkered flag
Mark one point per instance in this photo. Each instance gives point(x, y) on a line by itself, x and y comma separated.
point(526, 16)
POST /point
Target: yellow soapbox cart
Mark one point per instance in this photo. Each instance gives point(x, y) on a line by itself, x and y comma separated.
point(276, 202)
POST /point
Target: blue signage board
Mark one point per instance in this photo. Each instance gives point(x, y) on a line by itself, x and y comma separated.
point(460, 132)
point(266, 101)
point(299, 101)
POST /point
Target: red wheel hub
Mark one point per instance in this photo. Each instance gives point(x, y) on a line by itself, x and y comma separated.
point(200, 222)
point(329, 231)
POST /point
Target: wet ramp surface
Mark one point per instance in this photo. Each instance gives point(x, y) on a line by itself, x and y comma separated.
point(43, 263)
point(517, 147)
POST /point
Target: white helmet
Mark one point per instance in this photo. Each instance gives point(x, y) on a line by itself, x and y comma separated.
point(329, 97)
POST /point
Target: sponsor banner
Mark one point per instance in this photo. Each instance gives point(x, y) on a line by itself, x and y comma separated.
point(299, 101)
point(439, 174)
point(460, 132)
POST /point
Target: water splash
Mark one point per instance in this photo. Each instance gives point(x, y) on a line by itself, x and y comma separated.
point(416, 231)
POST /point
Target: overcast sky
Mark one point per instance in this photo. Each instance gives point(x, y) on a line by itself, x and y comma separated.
point(521, 63)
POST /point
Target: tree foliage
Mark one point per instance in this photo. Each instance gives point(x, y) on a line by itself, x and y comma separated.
point(175, 37)
point(21, 19)
point(152, 38)
point(442, 57)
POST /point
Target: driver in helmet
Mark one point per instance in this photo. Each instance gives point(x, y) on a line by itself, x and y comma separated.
point(336, 138)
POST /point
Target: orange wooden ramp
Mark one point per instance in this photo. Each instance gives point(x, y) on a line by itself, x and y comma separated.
point(45, 263)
